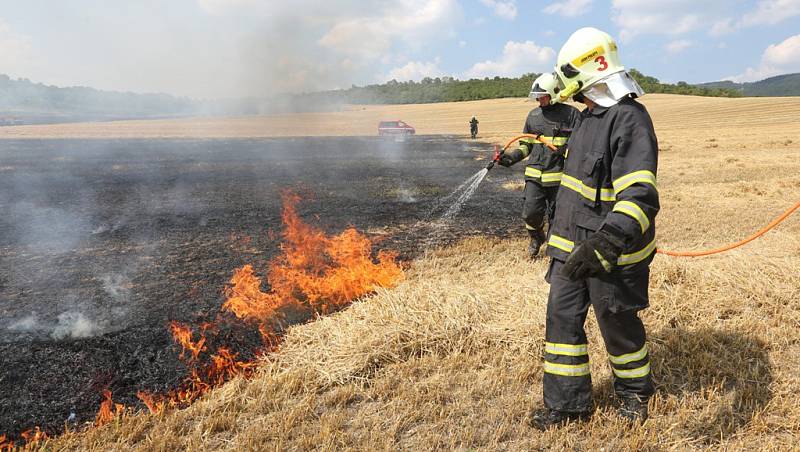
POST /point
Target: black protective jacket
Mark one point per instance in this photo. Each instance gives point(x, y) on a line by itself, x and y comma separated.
point(554, 123)
point(609, 182)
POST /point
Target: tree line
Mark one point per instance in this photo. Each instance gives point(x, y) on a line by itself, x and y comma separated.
point(449, 89)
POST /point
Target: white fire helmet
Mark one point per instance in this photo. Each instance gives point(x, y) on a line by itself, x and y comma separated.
point(545, 84)
point(588, 56)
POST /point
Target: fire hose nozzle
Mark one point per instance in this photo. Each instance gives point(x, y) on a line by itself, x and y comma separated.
point(496, 158)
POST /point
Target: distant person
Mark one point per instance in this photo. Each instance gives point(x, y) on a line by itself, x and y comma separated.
point(602, 238)
point(473, 127)
point(552, 122)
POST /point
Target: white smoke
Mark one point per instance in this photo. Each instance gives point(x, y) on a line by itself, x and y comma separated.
point(74, 325)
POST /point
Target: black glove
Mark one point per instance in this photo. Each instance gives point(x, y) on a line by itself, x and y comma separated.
point(596, 255)
point(510, 158)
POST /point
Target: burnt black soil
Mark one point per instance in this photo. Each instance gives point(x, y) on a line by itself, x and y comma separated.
point(102, 243)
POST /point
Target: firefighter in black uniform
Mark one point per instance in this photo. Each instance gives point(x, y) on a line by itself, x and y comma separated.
point(552, 122)
point(602, 239)
point(473, 127)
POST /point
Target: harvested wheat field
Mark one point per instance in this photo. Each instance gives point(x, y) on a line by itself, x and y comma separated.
point(451, 357)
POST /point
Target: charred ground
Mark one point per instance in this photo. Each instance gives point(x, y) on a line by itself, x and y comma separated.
point(103, 242)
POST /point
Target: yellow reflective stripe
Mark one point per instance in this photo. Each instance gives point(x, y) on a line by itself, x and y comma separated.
point(639, 372)
point(636, 177)
point(551, 177)
point(629, 357)
point(566, 349)
point(625, 259)
point(532, 172)
point(634, 211)
point(588, 56)
point(561, 243)
point(606, 194)
point(567, 370)
point(606, 265)
point(557, 141)
point(642, 254)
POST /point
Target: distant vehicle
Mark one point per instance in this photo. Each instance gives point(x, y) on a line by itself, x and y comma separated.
point(395, 128)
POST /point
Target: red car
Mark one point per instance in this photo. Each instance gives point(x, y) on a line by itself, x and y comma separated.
point(395, 128)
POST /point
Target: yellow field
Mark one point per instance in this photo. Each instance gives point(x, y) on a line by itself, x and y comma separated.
point(452, 357)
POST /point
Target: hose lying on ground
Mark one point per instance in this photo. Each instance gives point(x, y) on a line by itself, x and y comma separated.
point(721, 249)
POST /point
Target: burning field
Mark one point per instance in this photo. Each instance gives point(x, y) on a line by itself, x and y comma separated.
point(140, 274)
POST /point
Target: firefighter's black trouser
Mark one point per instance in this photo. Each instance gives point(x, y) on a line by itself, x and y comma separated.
point(616, 300)
point(539, 202)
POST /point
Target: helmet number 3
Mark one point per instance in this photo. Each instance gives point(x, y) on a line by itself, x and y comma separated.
point(601, 60)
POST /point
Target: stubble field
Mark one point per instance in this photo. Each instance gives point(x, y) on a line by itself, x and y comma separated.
point(452, 356)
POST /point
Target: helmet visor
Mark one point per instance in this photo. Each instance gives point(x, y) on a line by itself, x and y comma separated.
point(537, 92)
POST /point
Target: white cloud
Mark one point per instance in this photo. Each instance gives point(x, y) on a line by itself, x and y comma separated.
point(409, 21)
point(569, 8)
point(507, 9)
point(785, 54)
point(221, 7)
point(341, 43)
point(678, 46)
point(676, 17)
point(416, 70)
point(518, 58)
point(670, 17)
point(462, 43)
point(780, 58)
point(770, 12)
point(722, 27)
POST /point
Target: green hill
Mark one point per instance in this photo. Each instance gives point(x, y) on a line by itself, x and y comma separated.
point(780, 85)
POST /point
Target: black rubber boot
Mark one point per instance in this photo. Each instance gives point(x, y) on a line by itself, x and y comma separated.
point(537, 240)
point(633, 408)
point(545, 418)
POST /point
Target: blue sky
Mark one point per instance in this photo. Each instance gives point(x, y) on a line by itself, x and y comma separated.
point(231, 48)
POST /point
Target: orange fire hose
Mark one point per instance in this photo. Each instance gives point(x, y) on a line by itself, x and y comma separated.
point(749, 239)
point(538, 138)
point(721, 249)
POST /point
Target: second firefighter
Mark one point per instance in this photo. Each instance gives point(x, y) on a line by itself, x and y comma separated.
point(552, 122)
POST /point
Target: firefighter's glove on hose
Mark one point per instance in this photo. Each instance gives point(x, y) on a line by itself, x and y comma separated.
point(594, 256)
point(510, 158)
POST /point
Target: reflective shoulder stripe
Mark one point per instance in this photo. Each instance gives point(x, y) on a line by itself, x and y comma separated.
point(634, 211)
point(642, 254)
point(606, 194)
point(639, 372)
point(561, 243)
point(567, 370)
point(566, 349)
point(551, 177)
point(629, 357)
point(532, 172)
point(636, 177)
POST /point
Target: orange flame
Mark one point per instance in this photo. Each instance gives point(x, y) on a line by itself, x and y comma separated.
point(316, 274)
point(108, 410)
point(183, 336)
point(154, 404)
point(5, 444)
